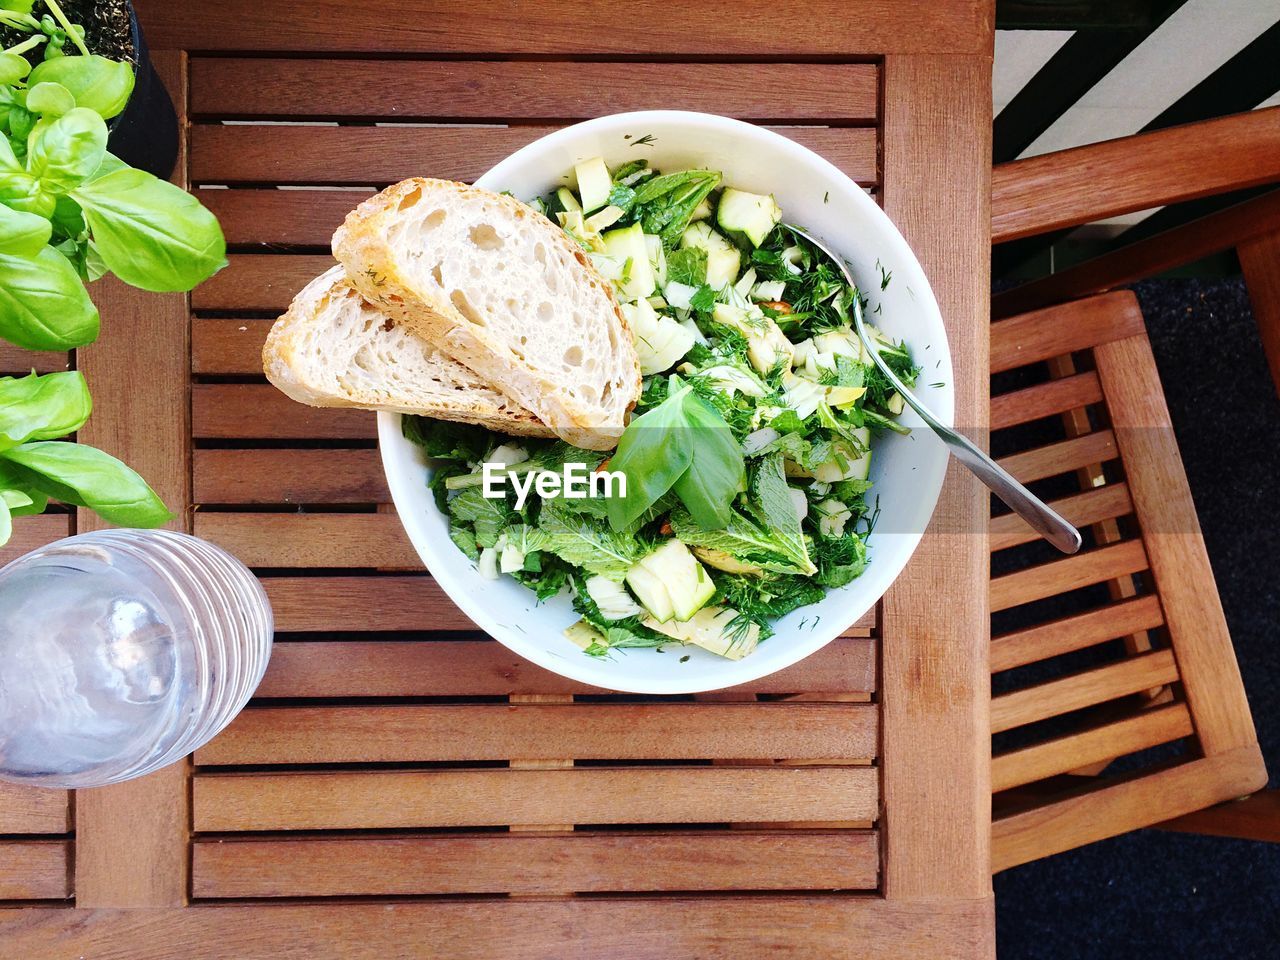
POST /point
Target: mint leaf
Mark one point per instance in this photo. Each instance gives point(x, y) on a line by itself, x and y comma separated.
point(687, 266)
point(704, 299)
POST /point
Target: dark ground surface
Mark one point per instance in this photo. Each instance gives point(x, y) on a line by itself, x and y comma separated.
point(1164, 895)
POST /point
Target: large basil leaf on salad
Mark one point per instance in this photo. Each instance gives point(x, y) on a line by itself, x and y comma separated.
point(716, 468)
point(665, 204)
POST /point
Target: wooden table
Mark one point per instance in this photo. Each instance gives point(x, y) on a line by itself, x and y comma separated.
point(404, 785)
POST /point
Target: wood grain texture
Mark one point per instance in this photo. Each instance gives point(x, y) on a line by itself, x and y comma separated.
point(577, 27)
point(379, 155)
point(1099, 744)
point(369, 668)
point(1075, 632)
point(1069, 573)
point(35, 870)
point(288, 476)
point(497, 90)
point(228, 346)
point(1071, 187)
point(531, 864)
point(1260, 261)
point(1064, 456)
point(18, 362)
point(131, 837)
point(1045, 400)
point(786, 927)
point(311, 539)
point(32, 532)
point(528, 731)
point(1251, 818)
point(34, 809)
point(936, 762)
point(259, 282)
point(456, 798)
point(1081, 509)
point(1066, 328)
point(1099, 685)
point(1171, 532)
point(252, 411)
point(1123, 806)
point(1193, 241)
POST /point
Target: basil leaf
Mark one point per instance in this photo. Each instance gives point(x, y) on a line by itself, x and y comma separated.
point(6, 523)
point(68, 151)
point(151, 234)
point(23, 234)
point(15, 498)
point(50, 99)
point(87, 477)
point(653, 454)
point(12, 69)
point(43, 303)
point(716, 474)
point(98, 84)
point(42, 407)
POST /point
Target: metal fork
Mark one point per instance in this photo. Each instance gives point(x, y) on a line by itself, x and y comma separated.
point(1043, 518)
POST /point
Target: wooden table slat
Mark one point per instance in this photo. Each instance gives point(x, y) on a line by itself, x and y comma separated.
point(370, 668)
point(366, 156)
point(288, 476)
point(527, 863)
point(35, 870)
point(598, 731)
point(299, 540)
point(341, 800)
point(1062, 457)
point(254, 411)
point(33, 809)
point(32, 532)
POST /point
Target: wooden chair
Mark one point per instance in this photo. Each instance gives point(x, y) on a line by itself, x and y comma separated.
point(1117, 703)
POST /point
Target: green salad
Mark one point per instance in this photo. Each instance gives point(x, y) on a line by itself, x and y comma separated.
point(746, 460)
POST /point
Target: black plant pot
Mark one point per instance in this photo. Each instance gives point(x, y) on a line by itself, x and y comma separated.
point(145, 134)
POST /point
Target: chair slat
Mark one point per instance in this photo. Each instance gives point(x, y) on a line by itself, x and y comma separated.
point(527, 863)
point(1071, 187)
point(1081, 509)
point(465, 668)
point(1256, 817)
point(288, 476)
point(1148, 728)
point(34, 810)
point(1066, 328)
point(35, 870)
point(442, 90)
point(311, 539)
point(373, 156)
point(1107, 811)
point(350, 799)
point(259, 282)
point(529, 731)
point(1099, 685)
point(1069, 573)
point(259, 411)
point(1075, 632)
point(1258, 259)
point(1179, 561)
point(1045, 400)
point(1184, 244)
point(1062, 457)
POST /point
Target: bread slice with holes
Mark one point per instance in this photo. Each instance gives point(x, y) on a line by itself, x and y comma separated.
point(495, 284)
point(334, 349)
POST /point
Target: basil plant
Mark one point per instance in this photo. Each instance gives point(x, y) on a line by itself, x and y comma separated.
point(70, 213)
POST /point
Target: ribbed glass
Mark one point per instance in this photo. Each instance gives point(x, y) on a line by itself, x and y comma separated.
point(122, 651)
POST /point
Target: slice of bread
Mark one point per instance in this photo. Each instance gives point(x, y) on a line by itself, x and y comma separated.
point(333, 349)
point(495, 284)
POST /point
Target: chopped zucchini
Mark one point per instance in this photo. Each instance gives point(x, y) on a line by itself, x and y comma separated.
point(605, 217)
point(651, 592)
point(721, 560)
point(660, 341)
point(568, 202)
point(628, 244)
point(594, 183)
point(702, 211)
point(714, 629)
point(723, 258)
point(751, 214)
point(687, 583)
point(767, 345)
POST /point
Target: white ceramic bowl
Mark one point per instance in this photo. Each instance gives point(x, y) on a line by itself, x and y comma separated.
point(907, 471)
